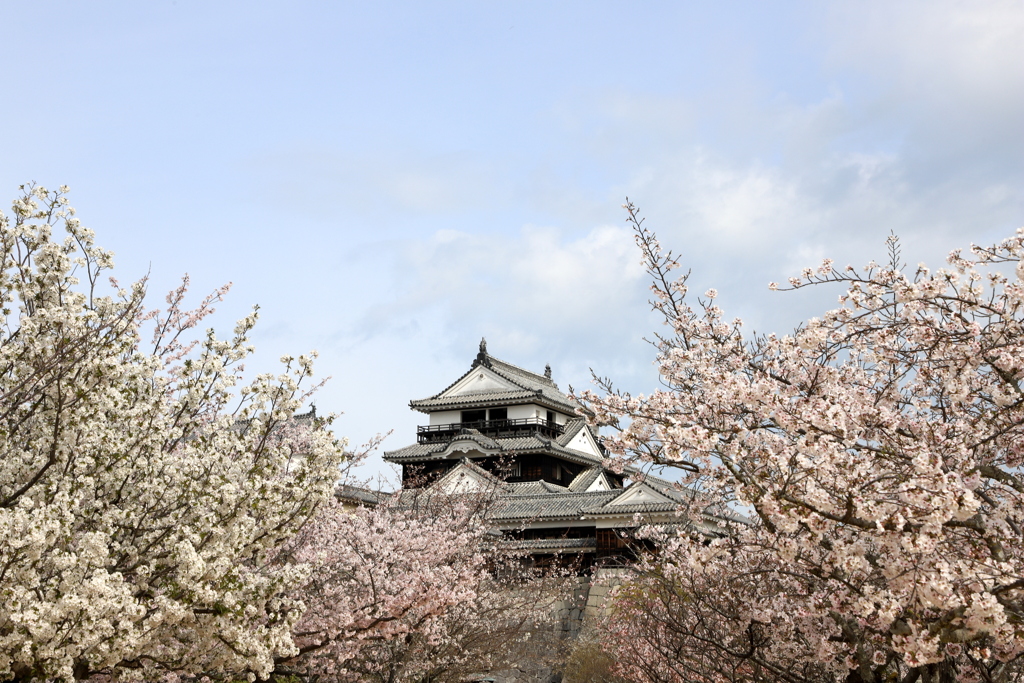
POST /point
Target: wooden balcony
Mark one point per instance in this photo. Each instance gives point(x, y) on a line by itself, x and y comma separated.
point(494, 428)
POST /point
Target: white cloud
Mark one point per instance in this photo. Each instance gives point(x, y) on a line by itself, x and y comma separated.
point(527, 289)
point(934, 46)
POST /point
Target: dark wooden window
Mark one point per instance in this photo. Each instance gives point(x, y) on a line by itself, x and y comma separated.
point(612, 549)
point(474, 415)
point(498, 414)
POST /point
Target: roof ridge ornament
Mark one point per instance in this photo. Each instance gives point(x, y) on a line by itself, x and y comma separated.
point(547, 370)
point(482, 358)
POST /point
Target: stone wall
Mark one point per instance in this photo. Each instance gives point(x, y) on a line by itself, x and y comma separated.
point(587, 601)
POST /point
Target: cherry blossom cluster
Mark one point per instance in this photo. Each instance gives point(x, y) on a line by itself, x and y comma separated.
point(144, 491)
point(877, 451)
point(416, 588)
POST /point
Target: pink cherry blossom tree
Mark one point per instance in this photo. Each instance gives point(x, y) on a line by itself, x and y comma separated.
point(144, 492)
point(877, 450)
point(418, 588)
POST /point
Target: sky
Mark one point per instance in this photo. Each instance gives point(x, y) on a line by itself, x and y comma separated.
point(392, 181)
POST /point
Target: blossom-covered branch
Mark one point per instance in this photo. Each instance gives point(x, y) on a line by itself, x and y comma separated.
point(416, 588)
point(878, 448)
point(139, 515)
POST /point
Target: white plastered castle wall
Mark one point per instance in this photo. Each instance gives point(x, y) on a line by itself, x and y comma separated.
point(533, 410)
point(446, 417)
point(524, 411)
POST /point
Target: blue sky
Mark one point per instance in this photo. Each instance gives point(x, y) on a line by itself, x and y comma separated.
point(392, 181)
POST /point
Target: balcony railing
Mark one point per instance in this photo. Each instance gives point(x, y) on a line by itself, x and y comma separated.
point(517, 427)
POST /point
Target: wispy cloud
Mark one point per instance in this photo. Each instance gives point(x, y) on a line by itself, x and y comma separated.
point(533, 291)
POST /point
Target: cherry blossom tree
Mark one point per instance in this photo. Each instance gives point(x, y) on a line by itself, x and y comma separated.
point(144, 493)
point(878, 452)
point(418, 588)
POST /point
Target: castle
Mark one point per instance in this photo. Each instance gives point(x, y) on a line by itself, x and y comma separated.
point(504, 429)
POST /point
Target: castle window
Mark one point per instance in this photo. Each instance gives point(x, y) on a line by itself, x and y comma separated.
point(474, 415)
point(498, 414)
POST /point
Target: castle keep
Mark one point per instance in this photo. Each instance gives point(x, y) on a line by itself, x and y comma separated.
point(501, 428)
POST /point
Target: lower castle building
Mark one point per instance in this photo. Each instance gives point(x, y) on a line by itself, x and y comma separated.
point(504, 429)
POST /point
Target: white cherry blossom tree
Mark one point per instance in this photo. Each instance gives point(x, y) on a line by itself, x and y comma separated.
point(878, 452)
point(144, 493)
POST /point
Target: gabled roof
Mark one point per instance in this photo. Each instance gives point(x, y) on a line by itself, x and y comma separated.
point(533, 443)
point(469, 438)
point(476, 399)
point(572, 428)
point(528, 503)
point(590, 479)
point(578, 436)
point(523, 386)
point(525, 488)
point(467, 477)
point(653, 495)
point(639, 497)
point(547, 506)
point(359, 496)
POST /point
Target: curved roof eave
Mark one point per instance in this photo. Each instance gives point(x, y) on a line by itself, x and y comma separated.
point(432, 405)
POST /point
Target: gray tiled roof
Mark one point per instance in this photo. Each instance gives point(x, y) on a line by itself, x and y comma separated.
point(531, 380)
point(525, 488)
point(533, 387)
point(513, 444)
point(630, 509)
point(467, 464)
point(476, 398)
point(526, 503)
point(670, 490)
point(309, 415)
point(475, 436)
point(555, 543)
point(572, 428)
point(416, 450)
point(358, 494)
point(585, 478)
point(548, 506)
